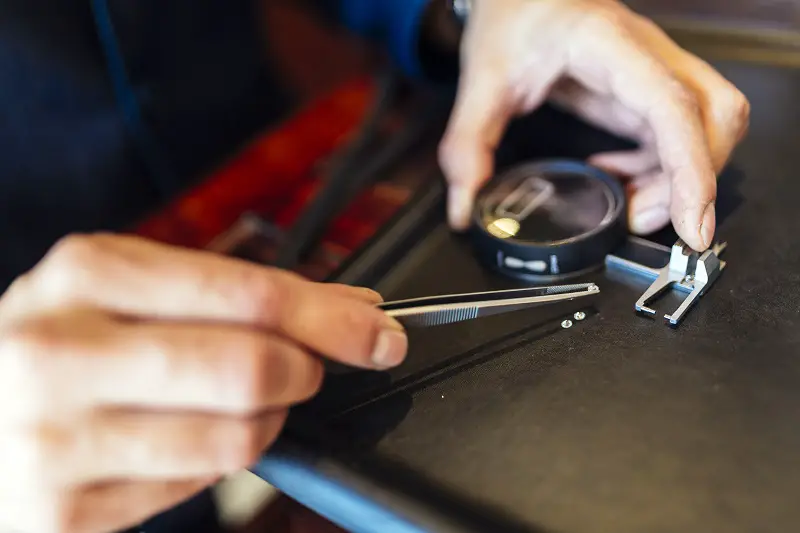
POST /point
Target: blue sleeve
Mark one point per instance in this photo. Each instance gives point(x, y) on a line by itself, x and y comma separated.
point(394, 23)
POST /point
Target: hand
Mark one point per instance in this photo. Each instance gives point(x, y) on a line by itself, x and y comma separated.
point(614, 69)
point(134, 375)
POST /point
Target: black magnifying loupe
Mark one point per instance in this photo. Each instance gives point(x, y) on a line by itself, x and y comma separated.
point(549, 220)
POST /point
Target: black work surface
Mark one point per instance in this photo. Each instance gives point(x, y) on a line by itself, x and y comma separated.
point(616, 424)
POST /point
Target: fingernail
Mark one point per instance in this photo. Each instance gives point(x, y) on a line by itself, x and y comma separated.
point(708, 224)
point(390, 348)
point(459, 203)
point(649, 220)
point(372, 295)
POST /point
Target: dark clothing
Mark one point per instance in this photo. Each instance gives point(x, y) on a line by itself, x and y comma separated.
point(108, 108)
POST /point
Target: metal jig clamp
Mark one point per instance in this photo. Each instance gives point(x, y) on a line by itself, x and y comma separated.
point(688, 271)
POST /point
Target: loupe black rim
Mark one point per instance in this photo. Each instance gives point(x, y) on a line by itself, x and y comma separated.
point(579, 254)
point(559, 166)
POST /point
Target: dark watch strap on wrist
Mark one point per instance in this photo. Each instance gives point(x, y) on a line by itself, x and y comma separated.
point(440, 38)
point(461, 9)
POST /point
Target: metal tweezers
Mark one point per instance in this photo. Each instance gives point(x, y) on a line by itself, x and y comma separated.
point(439, 310)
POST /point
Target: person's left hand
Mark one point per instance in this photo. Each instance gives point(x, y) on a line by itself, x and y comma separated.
point(615, 69)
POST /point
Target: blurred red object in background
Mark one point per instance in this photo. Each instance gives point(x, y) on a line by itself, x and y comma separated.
point(274, 178)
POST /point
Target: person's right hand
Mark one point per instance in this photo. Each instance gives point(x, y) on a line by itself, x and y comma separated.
point(615, 69)
point(134, 374)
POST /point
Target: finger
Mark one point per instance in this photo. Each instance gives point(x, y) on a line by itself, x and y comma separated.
point(725, 110)
point(117, 506)
point(648, 203)
point(94, 509)
point(628, 163)
point(642, 83)
point(139, 445)
point(141, 278)
point(466, 154)
point(359, 293)
point(601, 110)
point(151, 364)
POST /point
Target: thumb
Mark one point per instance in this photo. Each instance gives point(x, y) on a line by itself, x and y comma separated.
point(466, 153)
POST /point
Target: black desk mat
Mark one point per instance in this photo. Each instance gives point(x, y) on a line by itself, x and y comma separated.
point(616, 424)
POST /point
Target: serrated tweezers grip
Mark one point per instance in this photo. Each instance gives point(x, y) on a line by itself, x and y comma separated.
point(438, 318)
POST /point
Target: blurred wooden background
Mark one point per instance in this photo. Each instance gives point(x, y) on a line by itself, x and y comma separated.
point(783, 14)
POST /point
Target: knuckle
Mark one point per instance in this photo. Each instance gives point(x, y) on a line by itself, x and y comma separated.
point(23, 347)
point(738, 107)
point(362, 326)
point(40, 509)
point(265, 296)
point(32, 456)
point(605, 20)
point(68, 261)
point(743, 107)
point(279, 373)
point(677, 97)
point(456, 158)
point(447, 147)
point(30, 342)
point(260, 373)
point(316, 373)
point(446, 155)
point(255, 372)
point(20, 285)
point(307, 381)
point(29, 351)
point(248, 441)
point(58, 508)
point(74, 250)
point(683, 96)
point(17, 300)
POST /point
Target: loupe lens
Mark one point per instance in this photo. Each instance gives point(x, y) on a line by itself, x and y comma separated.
point(552, 218)
point(533, 205)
